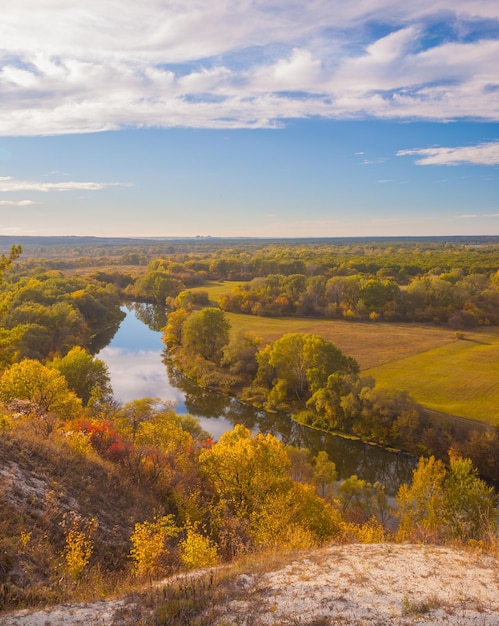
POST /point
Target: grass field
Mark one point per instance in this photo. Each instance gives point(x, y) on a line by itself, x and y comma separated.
point(372, 344)
point(459, 378)
point(441, 372)
point(216, 289)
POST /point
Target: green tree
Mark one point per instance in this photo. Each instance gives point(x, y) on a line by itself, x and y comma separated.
point(302, 364)
point(85, 375)
point(156, 286)
point(206, 332)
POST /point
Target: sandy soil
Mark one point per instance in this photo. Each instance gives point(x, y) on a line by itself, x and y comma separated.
point(403, 585)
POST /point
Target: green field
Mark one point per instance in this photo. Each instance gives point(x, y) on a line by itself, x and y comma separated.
point(216, 289)
point(460, 378)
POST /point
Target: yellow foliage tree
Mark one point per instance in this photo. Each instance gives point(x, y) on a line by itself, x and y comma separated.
point(149, 544)
point(197, 550)
point(79, 546)
point(43, 389)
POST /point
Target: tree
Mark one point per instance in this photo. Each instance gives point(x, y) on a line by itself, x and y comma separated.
point(85, 375)
point(362, 501)
point(301, 464)
point(452, 503)
point(325, 473)
point(6, 261)
point(156, 286)
point(197, 550)
point(420, 505)
point(173, 331)
point(302, 364)
point(240, 354)
point(244, 469)
point(470, 504)
point(206, 332)
point(132, 414)
point(149, 544)
point(45, 389)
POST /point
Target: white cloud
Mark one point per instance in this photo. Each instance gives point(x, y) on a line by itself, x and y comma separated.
point(104, 64)
point(10, 184)
point(17, 203)
point(481, 154)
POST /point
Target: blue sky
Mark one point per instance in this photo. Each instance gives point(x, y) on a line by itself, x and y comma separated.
point(266, 118)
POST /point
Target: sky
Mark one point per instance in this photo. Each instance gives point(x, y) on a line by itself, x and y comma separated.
point(249, 118)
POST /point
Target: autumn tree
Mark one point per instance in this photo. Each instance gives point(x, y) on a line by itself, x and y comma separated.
point(301, 364)
point(44, 389)
point(250, 474)
point(150, 544)
point(325, 474)
point(173, 331)
point(245, 468)
point(7, 260)
point(446, 502)
point(239, 355)
point(87, 376)
point(362, 501)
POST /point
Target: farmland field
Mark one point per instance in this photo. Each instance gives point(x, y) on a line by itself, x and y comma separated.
point(371, 344)
point(459, 378)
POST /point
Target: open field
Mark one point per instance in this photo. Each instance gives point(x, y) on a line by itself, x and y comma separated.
point(216, 289)
point(460, 378)
point(372, 344)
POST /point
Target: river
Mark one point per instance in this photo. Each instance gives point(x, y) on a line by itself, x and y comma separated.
point(138, 369)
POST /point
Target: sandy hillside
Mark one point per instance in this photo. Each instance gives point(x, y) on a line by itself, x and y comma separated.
point(345, 585)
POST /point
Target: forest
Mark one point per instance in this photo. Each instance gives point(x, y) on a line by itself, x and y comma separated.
point(97, 495)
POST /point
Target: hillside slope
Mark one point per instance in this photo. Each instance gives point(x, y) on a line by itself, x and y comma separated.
point(368, 584)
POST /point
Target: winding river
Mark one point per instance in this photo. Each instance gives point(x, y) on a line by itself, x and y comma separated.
point(138, 369)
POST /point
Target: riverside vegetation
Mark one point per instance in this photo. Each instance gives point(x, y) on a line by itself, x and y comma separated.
point(97, 497)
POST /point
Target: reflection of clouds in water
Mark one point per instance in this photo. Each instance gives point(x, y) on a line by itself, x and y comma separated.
point(139, 374)
point(215, 426)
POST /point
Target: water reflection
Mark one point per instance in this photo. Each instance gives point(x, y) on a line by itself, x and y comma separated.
point(369, 462)
point(139, 374)
point(153, 316)
point(139, 368)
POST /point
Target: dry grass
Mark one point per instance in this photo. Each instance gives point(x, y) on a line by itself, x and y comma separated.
point(388, 584)
point(371, 344)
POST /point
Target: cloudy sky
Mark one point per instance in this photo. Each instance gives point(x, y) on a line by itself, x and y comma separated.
point(249, 117)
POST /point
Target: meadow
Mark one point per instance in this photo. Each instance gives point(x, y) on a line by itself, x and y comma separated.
point(459, 378)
